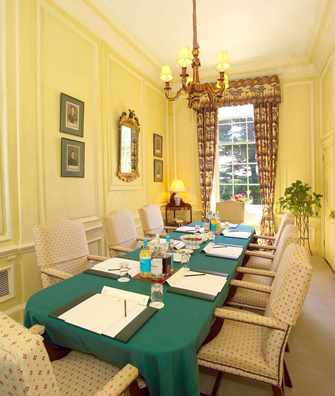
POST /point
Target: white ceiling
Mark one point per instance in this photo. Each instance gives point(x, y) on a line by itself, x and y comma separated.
point(276, 32)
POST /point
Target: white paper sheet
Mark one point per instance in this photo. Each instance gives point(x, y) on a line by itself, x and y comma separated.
point(138, 298)
point(177, 244)
point(189, 229)
point(115, 262)
point(237, 234)
point(232, 252)
point(230, 225)
point(207, 283)
point(105, 313)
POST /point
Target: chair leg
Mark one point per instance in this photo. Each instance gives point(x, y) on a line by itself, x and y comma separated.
point(287, 377)
point(134, 389)
point(216, 385)
point(277, 390)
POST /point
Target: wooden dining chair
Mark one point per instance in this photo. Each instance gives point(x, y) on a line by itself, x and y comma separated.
point(152, 221)
point(25, 368)
point(232, 211)
point(245, 292)
point(253, 345)
point(62, 250)
point(121, 232)
point(272, 241)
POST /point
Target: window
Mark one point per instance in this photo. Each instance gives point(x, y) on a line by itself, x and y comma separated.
point(238, 171)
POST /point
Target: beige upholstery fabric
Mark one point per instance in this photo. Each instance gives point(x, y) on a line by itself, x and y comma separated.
point(232, 211)
point(287, 219)
point(120, 229)
point(25, 368)
point(151, 219)
point(251, 348)
point(251, 298)
point(62, 246)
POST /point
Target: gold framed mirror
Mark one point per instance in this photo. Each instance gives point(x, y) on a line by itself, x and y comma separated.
point(129, 129)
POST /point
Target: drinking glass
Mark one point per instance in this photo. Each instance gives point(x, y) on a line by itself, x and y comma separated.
point(157, 296)
point(124, 276)
point(185, 258)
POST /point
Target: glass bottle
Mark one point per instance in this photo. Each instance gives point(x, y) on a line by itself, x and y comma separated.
point(145, 259)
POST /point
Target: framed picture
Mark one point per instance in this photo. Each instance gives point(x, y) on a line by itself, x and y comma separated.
point(71, 115)
point(158, 170)
point(158, 145)
point(72, 158)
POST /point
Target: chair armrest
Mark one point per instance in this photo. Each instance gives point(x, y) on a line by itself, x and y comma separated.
point(251, 286)
point(120, 382)
point(250, 317)
point(119, 248)
point(170, 228)
point(266, 237)
point(266, 255)
point(256, 271)
point(37, 329)
point(96, 258)
point(261, 247)
point(55, 273)
point(140, 239)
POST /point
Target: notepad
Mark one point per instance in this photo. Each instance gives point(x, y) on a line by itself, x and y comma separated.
point(225, 251)
point(230, 225)
point(207, 283)
point(108, 312)
point(113, 264)
point(189, 229)
point(177, 244)
point(237, 234)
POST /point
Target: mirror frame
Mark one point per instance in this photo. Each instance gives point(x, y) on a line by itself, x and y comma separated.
point(133, 123)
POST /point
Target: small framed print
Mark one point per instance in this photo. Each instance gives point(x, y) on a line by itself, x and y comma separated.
point(158, 145)
point(71, 115)
point(158, 170)
point(72, 158)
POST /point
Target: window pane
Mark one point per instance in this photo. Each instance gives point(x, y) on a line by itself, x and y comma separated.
point(252, 152)
point(241, 189)
point(226, 173)
point(226, 192)
point(253, 174)
point(225, 133)
point(239, 132)
point(240, 153)
point(240, 174)
point(255, 195)
point(251, 132)
point(225, 155)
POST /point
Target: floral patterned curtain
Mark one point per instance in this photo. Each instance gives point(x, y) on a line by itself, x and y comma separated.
point(266, 127)
point(207, 137)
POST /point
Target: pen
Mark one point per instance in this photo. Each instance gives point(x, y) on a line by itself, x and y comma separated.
point(113, 269)
point(125, 308)
point(196, 275)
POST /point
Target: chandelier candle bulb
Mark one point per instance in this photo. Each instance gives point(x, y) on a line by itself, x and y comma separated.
point(166, 73)
point(184, 57)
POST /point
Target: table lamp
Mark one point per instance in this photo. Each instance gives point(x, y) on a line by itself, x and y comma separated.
point(177, 186)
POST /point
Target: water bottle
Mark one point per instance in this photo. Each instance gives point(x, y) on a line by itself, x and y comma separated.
point(145, 259)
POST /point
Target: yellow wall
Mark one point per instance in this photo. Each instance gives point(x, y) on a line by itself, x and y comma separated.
point(46, 53)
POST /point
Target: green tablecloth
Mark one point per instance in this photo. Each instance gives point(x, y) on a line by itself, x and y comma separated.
point(164, 349)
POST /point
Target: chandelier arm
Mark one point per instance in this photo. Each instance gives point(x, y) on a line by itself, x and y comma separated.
point(176, 96)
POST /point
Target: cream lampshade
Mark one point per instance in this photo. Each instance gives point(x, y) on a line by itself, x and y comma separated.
point(177, 186)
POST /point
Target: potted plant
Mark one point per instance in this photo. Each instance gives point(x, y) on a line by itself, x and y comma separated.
point(303, 204)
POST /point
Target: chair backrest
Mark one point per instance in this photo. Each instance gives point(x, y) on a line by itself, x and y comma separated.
point(286, 219)
point(120, 228)
point(62, 241)
point(232, 211)
point(151, 219)
point(289, 235)
point(289, 290)
point(25, 368)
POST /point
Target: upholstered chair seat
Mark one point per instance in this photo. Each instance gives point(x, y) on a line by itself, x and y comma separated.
point(152, 221)
point(252, 345)
point(62, 250)
point(25, 368)
point(121, 233)
point(245, 295)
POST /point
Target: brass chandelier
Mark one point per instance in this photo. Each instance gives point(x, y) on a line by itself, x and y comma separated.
point(199, 94)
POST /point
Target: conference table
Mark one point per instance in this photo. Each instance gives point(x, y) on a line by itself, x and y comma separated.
point(165, 348)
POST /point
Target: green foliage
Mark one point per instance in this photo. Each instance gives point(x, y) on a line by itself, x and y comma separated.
point(300, 200)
